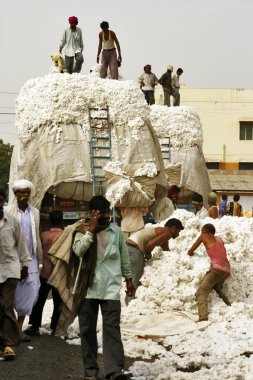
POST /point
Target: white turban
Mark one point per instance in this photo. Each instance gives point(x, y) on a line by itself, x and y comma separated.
point(22, 184)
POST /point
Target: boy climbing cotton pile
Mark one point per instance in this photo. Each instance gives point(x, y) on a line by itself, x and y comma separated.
point(220, 268)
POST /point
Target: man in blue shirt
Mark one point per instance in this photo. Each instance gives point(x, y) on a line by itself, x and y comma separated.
point(104, 249)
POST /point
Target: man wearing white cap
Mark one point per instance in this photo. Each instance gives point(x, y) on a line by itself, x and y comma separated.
point(165, 82)
point(28, 289)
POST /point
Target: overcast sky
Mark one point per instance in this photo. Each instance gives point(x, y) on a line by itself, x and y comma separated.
point(209, 39)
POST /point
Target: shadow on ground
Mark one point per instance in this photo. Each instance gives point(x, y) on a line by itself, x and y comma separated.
point(49, 359)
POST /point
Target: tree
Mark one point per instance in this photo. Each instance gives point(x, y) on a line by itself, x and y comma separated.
point(5, 161)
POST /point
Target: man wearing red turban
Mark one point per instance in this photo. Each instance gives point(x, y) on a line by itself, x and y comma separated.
point(72, 41)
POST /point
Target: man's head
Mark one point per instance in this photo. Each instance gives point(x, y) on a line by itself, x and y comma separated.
point(236, 197)
point(73, 21)
point(175, 227)
point(22, 190)
point(170, 68)
point(212, 198)
point(173, 192)
point(179, 71)
point(56, 218)
point(2, 200)
point(197, 200)
point(224, 197)
point(104, 25)
point(147, 69)
point(100, 203)
point(208, 228)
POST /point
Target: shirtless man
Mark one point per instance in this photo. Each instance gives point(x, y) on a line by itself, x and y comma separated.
point(220, 269)
point(107, 40)
point(141, 243)
point(213, 211)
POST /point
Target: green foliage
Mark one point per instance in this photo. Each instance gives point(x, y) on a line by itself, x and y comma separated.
point(5, 161)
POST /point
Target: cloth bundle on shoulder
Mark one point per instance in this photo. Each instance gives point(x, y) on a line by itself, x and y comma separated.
point(130, 185)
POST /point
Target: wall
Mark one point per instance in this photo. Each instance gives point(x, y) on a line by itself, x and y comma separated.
point(220, 111)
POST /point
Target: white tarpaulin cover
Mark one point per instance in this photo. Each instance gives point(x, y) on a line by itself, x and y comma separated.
point(173, 322)
point(181, 129)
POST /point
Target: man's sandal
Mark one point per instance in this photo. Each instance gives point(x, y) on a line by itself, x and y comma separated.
point(8, 353)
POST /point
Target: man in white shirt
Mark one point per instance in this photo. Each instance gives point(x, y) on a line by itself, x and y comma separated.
point(176, 86)
point(14, 263)
point(201, 211)
point(148, 81)
point(72, 41)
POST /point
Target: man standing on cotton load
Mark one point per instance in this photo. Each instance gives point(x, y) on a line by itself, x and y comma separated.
point(166, 83)
point(148, 81)
point(176, 87)
point(27, 290)
point(220, 269)
point(72, 41)
point(107, 41)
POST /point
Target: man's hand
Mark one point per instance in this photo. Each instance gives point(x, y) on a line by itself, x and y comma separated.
point(60, 49)
point(94, 221)
point(24, 273)
point(130, 292)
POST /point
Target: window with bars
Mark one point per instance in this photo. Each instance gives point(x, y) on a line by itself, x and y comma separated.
point(246, 130)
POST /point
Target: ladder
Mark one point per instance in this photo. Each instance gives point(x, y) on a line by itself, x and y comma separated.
point(100, 147)
point(165, 148)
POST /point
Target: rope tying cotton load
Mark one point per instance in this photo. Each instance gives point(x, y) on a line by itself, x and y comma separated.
point(130, 185)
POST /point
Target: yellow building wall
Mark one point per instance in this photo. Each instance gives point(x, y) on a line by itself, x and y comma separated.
point(221, 111)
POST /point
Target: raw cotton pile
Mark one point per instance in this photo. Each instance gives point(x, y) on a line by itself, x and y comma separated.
point(223, 350)
point(52, 120)
point(181, 124)
point(57, 98)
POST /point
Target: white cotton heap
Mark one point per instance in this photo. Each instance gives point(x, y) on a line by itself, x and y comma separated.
point(60, 98)
point(54, 117)
point(223, 349)
point(182, 124)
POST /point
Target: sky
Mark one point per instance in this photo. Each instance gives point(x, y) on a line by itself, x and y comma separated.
point(209, 39)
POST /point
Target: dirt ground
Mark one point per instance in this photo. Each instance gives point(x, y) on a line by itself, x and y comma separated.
point(47, 358)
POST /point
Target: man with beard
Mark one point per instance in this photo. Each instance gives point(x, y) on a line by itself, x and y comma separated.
point(105, 242)
point(72, 40)
point(28, 216)
point(141, 244)
point(14, 262)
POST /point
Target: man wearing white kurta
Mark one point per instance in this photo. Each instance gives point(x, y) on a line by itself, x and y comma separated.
point(28, 216)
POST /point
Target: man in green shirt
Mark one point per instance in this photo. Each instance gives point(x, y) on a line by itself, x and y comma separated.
point(105, 244)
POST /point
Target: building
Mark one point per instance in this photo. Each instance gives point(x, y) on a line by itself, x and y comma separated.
point(227, 120)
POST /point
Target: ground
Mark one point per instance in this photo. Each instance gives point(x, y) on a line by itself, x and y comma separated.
point(49, 359)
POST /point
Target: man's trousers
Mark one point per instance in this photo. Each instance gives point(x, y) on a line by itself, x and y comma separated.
point(113, 352)
point(9, 330)
point(214, 279)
